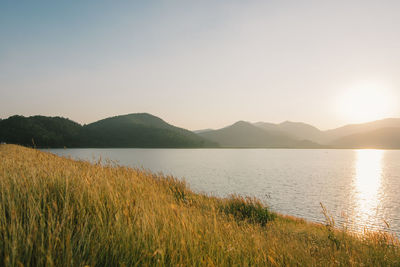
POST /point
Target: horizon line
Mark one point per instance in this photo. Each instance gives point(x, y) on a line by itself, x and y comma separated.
point(194, 130)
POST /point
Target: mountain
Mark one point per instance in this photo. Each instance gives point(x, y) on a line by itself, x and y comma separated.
point(245, 135)
point(384, 138)
point(40, 130)
point(345, 136)
point(140, 130)
point(133, 130)
point(351, 129)
point(146, 130)
point(295, 130)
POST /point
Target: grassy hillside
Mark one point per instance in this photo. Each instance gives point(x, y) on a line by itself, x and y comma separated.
point(60, 212)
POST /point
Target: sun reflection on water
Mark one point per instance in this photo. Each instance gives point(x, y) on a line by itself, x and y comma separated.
point(367, 185)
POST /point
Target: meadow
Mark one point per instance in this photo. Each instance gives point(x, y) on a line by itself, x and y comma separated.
point(61, 212)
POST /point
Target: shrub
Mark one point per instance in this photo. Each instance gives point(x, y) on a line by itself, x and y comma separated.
point(250, 209)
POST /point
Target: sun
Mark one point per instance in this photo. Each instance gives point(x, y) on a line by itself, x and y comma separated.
point(365, 102)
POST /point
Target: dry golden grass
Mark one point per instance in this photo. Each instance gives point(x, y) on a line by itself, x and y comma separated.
point(56, 211)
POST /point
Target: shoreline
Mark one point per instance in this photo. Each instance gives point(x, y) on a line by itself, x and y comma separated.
point(127, 216)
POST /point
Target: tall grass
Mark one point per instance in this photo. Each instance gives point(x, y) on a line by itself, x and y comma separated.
point(60, 212)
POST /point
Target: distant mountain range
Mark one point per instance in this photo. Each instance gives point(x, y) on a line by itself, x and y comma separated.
point(383, 134)
point(246, 135)
point(385, 138)
point(148, 131)
point(364, 128)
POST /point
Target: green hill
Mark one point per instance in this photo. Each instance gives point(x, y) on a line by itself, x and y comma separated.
point(133, 130)
point(41, 131)
point(140, 130)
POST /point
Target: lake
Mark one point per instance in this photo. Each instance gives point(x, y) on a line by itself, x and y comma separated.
point(360, 188)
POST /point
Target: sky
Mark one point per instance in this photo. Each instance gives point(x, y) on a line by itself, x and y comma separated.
point(202, 64)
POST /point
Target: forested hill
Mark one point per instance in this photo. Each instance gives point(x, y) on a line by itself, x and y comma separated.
point(40, 131)
point(140, 130)
point(133, 130)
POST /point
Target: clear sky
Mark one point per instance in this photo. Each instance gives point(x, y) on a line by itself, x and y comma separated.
point(201, 64)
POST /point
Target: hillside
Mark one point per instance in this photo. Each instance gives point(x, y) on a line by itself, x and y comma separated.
point(351, 129)
point(41, 131)
point(245, 135)
point(60, 212)
point(295, 130)
point(385, 138)
point(133, 130)
point(140, 130)
point(376, 134)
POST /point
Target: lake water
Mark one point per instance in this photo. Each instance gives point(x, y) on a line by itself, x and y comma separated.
point(360, 188)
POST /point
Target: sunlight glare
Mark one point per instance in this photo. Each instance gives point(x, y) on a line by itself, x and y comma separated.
point(367, 183)
point(365, 102)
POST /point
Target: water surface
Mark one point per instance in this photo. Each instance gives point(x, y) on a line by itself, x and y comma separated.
point(360, 188)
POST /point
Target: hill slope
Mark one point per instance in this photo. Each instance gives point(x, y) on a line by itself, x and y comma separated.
point(41, 131)
point(376, 134)
point(133, 130)
point(385, 138)
point(295, 130)
point(140, 130)
point(245, 135)
point(351, 129)
point(60, 212)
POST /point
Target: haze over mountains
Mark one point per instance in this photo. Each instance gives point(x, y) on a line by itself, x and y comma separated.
point(244, 134)
point(384, 138)
point(383, 134)
point(148, 131)
point(331, 137)
point(295, 130)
